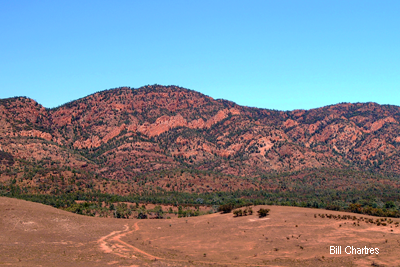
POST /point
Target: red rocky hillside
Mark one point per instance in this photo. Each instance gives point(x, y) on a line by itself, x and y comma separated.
point(125, 133)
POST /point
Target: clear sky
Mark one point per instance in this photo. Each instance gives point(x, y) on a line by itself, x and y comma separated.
point(279, 54)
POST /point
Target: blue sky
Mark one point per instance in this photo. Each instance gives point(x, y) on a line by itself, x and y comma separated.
point(271, 54)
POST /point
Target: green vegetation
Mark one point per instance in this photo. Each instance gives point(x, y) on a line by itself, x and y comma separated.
point(357, 220)
point(263, 212)
point(245, 212)
point(95, 203)
point(83, 192)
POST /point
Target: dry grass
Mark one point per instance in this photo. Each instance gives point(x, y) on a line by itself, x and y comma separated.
point(32, 234)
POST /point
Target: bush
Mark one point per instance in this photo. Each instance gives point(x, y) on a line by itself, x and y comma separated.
point(250, 211)
point(141, 214)
point(226, 208)
point(238, 213)
point(263, 212)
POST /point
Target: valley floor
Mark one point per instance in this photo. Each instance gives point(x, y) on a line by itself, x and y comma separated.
point(33, 234)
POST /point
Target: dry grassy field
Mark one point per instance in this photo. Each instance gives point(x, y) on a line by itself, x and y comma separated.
point(33, 234)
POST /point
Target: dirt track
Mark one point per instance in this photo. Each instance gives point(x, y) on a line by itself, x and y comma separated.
point(32, 234)
point(112, 243)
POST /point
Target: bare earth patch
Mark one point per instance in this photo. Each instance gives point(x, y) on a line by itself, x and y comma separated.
point(32, 234)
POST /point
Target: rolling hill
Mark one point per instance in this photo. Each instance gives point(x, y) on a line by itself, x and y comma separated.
point(35, 235)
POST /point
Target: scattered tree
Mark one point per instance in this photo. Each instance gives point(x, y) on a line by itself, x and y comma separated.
point(263, 212)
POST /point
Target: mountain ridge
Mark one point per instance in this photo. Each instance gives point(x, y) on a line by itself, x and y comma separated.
point(123, 133)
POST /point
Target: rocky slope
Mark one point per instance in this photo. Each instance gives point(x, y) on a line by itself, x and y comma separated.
point(127, 134)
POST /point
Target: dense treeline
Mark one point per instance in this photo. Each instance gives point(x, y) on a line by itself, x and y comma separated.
point(94, 203)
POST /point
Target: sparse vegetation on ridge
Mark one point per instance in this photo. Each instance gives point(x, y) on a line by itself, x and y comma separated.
point(169, 145)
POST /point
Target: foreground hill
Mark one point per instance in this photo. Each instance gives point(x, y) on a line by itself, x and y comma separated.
point(34, 235)
point(166, 138)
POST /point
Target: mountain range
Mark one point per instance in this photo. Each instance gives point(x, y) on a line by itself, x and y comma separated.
point(154, 138)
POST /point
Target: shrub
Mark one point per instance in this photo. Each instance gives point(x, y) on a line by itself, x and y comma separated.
point(250, 211)
point(226, 208)
point(263, 212)
point(141, 215)
point(237, 213)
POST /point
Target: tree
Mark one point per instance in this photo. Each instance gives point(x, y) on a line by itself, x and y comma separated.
point(238, 213)
point(158, 211)
point(263, 212)
point(141, 213)
point(250, 211)
point(226, 208)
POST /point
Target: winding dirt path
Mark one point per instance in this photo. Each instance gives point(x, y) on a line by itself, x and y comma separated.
point(112, 243)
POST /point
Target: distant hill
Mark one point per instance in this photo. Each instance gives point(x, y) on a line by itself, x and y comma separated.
point(169, 138)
